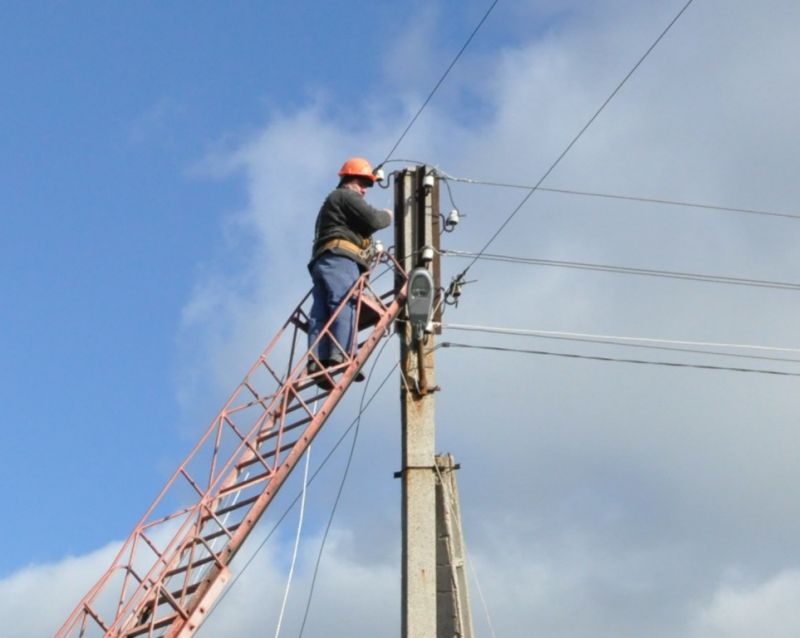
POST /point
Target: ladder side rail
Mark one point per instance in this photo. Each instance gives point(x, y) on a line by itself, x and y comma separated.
point(174, 549)
point(356, 290)
point(85, 605)
point(297, 449)
point(289, 388)
point(201, 597)
point(301, 443)
point(219, 425)
point(148, 585)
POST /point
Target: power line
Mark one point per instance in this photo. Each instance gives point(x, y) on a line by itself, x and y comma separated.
point(441, 80)
point(350, 455)
point(288, 509)
point(296, 544)
point(630, 198)
point(626, 270)
point(633, 342)
point(450, 344)
point(578, 136)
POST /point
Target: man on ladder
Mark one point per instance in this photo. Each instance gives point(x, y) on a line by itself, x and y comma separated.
point(343, 229)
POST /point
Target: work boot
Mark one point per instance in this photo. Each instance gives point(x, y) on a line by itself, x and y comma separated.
point(335, 360)
point(315, 371)
point(312, 368)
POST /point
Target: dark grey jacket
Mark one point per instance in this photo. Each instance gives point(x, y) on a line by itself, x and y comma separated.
point(346, 215)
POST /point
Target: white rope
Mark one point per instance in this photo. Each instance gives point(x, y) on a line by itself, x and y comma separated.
point(296, 541)
point(467, 560)
point(551, 333)
point(471, 567)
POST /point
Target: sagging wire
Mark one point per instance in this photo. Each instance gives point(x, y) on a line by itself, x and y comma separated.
point(288, 509)
point(385, 181)
point(631, 198)
point(648, 343)
point(441, 80)
point(579, 134)
point(569, 355)
point(357, 422)
point(626, 270)
point(447, 178)
point(296, 540)
point(471, 568)
point(448, 222)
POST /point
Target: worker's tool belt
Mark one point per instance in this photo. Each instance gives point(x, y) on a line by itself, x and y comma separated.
point(342, 244)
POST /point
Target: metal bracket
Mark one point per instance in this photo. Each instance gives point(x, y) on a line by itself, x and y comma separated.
point(399, 473)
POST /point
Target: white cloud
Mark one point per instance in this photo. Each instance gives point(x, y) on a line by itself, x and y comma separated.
point(770, 608)
point(253, 607)
point(36, 601)
point(664, 477)
point(252, 604)
point(599, 498)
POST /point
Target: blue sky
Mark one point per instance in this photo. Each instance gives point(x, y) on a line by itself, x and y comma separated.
point(160, 169)
point(106, 222)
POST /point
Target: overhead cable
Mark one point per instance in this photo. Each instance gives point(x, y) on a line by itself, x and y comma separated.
point(354, 423)
point(439, 83)
point(569, 355)
point(633, 342)
point(486, 613)
point(296, 544)
point(630, 198)
point(577, 137)
point(626, 270)
point(357, 424)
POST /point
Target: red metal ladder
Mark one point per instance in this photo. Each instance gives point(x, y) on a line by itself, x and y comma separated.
point(175, 563)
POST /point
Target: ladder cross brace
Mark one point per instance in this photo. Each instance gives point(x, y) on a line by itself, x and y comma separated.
point(167, 590)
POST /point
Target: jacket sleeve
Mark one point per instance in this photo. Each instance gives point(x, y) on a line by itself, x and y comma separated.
point(365, 217)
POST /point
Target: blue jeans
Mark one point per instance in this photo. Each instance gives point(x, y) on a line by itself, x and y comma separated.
point(333, 276)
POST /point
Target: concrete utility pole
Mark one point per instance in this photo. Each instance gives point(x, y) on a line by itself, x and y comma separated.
point(434, 589)
point(417, 226)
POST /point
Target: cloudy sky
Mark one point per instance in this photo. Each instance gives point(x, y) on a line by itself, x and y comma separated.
point(161, 169)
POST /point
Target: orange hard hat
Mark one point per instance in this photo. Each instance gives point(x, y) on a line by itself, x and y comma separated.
point(357, 167)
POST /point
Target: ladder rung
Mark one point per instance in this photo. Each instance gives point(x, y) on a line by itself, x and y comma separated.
point(249, 482)
point(180, 593)
point(217, 534)
point(285, 428)
point(275, 426)
point(198, 563)
point(236, 506)
point(266, 455)
point(144, 628)
point(296, 406)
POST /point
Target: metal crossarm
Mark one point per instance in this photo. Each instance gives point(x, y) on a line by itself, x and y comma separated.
point(175, 563)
